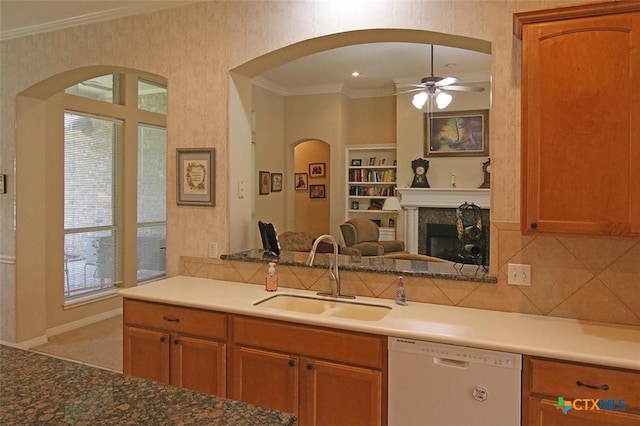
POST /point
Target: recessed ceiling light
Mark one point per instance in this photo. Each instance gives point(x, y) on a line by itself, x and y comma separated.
point(451, 65)
point(355, 74)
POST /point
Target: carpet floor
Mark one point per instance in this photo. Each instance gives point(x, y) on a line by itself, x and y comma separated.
point(98, 344)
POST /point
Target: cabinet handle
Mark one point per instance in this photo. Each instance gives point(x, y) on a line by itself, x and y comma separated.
point(163, 339)
point(534, 225)
point(176, 341)
point(292, 363)
point(309, 366)
point(166, 318)
point(595, 387)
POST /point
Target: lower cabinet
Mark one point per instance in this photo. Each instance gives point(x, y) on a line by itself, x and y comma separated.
point(323, 376)
point(562, 393)
point(174, 345)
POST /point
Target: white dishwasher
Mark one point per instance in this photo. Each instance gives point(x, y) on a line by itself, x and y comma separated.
point(446, 385)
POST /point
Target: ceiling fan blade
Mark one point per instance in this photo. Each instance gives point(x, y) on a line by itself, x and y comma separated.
point(417, 89)
point(446, 81)
point(464, 88)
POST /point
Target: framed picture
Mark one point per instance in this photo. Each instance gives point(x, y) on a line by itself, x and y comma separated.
point(316, 170)
point(276, 182)
point(316, 191)
point(300, 181)
point(263, 183)
point(195, 173)
point(457, 134)
point(356, 162)
point(372, 161)
point(355, 205)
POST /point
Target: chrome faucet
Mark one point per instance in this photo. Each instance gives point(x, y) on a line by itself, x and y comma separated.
point(334, 276)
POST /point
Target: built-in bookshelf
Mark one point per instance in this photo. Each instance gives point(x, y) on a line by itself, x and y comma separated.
point(371, 178)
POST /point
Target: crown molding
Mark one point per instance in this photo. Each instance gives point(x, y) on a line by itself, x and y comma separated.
point(133, 8)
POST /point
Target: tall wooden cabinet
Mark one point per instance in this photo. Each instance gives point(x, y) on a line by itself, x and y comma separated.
point(581, 119)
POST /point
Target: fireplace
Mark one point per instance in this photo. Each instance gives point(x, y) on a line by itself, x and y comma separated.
point(442, 241)
point(437, 206)
point(438, 236)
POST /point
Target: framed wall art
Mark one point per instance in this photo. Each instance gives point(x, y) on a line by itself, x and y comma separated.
point(300, 181)
point(264, 179)
point(457, 134)
point(316, 170)
point(317, 191)
point(195, 172)
point(276, 182)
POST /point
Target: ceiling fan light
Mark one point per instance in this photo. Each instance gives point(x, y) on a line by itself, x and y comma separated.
point(443, 100)
point(419, 99)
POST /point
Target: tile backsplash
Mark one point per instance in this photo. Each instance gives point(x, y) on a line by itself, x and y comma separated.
point(572, 277)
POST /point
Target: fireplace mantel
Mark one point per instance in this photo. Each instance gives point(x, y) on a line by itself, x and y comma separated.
point(445, 198)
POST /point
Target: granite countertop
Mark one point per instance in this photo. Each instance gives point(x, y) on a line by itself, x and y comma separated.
point(568, 339)
point(39, 389)
point(410, 265)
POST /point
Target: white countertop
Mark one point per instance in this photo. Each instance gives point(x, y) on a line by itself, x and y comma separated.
point(567, 339)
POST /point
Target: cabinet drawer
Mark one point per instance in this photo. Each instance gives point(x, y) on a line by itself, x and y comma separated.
point(196, 322)
point(556, 378)
point(347, 347)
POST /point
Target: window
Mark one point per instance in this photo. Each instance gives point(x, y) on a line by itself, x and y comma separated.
point(95, 211)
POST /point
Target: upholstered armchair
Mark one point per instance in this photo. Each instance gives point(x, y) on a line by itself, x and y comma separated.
point(363, 234)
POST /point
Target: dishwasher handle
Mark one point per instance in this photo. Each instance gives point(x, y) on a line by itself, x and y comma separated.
point(447, 362)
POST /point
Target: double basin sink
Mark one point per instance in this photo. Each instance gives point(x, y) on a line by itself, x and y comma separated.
point(325, 307)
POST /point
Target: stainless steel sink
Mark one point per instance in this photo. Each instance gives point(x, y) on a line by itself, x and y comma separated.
point(325, 307)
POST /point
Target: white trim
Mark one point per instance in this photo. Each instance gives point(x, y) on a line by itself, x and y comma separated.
point(133, 8)
point(94, 297)
point(9, 260)
point(27, 344)
point(82, 322)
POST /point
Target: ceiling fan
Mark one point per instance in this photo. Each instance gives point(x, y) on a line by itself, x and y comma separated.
point(435, 88)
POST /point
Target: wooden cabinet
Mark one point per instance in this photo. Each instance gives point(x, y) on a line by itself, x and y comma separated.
point(371, 178)
point(581, 119)
point(323, 376)
point(175, 345)
point(593, 395)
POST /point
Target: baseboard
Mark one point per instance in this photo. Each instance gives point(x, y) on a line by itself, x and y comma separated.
point(81, 323)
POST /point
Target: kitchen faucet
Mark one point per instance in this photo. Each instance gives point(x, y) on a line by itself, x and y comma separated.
point(334, 276)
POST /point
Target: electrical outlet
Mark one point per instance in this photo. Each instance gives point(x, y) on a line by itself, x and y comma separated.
point(519, 274)
point(213, 250)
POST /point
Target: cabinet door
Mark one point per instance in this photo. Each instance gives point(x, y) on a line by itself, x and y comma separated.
point(581, 126)
point(198, 364)
point(265, 378)
point(542, 412)
point(146, 354)
point(337, 394)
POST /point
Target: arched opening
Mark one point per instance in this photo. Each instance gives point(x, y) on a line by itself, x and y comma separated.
point(40, 135)
point(242, 117)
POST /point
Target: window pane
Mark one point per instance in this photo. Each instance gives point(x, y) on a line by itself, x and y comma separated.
point(152, 203)
point(151, 252)
point(99, 88)
point(89, 163)
point(152, 170)
point(152, 97)
point(90, 262)
point(91, 203)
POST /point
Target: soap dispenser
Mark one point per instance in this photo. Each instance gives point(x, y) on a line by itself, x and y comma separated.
point(272, 278)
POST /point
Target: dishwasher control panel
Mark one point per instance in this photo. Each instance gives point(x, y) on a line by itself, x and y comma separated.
point(457, 353)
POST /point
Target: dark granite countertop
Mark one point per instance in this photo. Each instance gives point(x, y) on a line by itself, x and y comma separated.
point(409, 266)
point(38, 389)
